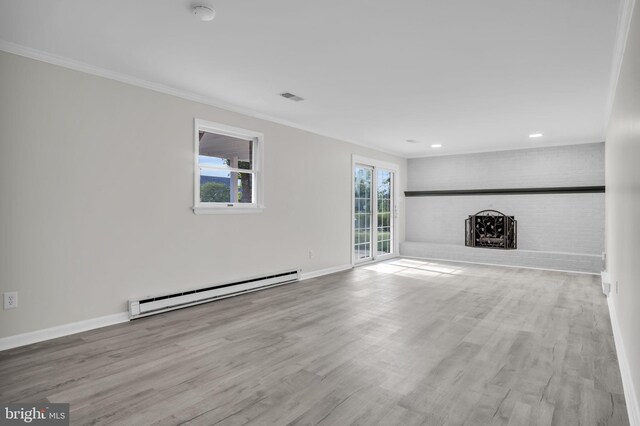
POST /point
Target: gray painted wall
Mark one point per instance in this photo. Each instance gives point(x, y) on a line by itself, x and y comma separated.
point(623, 213)
point(96, 178)
point(563, 223)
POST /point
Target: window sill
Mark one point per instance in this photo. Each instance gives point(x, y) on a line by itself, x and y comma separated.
point(227, 210)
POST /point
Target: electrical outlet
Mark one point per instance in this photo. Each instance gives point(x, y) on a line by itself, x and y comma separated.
point(11, 300)
point(310, 254)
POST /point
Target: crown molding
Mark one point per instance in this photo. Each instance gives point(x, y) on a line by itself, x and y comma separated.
point(72, 64)
point(625, 14)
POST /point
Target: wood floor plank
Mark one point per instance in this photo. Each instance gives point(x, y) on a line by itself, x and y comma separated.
point(403, 342)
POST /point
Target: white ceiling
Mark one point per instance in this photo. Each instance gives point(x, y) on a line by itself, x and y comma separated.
point(472, 75)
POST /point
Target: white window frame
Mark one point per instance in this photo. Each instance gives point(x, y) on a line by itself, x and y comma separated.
point(258, 183)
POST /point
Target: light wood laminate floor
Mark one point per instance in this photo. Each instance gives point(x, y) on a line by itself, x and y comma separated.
point(402, 342)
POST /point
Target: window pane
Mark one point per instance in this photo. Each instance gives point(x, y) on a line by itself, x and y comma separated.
point(362, 251)
point(362, 213)
point(225, 151)
point(245, 187)
point(217, 186)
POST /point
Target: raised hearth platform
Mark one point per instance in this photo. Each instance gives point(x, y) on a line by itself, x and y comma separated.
point(577, 262)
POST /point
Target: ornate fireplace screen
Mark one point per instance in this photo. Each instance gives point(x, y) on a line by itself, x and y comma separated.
point(491, 229)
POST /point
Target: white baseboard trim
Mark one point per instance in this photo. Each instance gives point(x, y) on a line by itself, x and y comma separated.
point(498, 264)
point(24, 339)
point(630, 395)
point(374, 261)
point(326, 271)
point(606, 283)
point(61, 330)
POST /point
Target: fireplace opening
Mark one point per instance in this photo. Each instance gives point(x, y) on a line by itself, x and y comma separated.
point(491, 229)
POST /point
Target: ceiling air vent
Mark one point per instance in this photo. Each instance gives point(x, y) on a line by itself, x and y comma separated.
point(291, 97)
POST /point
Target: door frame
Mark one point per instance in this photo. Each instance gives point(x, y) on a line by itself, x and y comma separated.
point(376, 164)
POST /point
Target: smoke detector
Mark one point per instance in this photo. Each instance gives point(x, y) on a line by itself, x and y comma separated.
point(203, 13)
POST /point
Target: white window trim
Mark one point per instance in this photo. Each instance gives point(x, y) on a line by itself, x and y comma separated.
point(258, 185)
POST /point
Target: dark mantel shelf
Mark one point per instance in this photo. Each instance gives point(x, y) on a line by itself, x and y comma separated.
point(508, 191)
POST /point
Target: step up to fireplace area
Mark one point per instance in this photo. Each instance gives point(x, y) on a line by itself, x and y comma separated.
point(578, 262)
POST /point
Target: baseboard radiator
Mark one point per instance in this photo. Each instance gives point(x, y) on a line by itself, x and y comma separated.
point(156, 304)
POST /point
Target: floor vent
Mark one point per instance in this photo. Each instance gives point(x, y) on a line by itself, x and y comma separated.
point(155, 305)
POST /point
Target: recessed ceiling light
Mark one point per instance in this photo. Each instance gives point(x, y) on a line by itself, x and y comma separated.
point(204, 13)
point(436, 145)
point(535, 135)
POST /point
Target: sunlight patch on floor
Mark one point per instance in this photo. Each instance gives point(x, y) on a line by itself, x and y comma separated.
point(407, 262)
point(385, 268)
point(413, 268)
point(417, 273)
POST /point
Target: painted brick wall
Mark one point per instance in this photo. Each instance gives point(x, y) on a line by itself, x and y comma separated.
point(570, 223)
point(574, 165)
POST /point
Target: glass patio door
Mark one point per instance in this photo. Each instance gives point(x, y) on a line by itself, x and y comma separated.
point(362, 213)
point(384, 216)
point(373, 234)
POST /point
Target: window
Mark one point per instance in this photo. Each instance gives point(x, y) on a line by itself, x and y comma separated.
point(228, 164)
